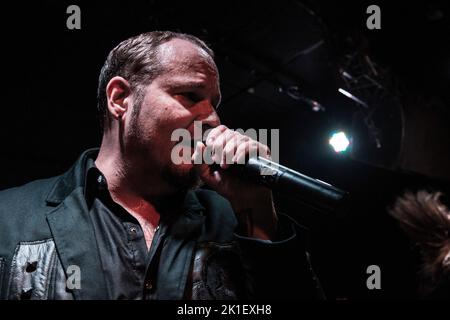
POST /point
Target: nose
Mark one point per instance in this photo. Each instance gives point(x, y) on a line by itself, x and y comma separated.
point(207, 115)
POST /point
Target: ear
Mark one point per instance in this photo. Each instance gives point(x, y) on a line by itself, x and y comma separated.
point(118, 95)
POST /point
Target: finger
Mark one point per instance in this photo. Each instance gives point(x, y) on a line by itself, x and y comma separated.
point(197, 156)
point(218, 145)
point(214, 133)
point(229, 152)
point(245, 151)
point(264, 151)
point(211, 178)
point(197, 159)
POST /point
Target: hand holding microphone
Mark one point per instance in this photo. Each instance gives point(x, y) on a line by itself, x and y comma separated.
point(252, 202)
point(247, 181)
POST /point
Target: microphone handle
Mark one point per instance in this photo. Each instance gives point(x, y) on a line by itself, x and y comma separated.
point(309, 191)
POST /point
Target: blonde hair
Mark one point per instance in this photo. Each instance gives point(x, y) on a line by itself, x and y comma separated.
point(426, 220)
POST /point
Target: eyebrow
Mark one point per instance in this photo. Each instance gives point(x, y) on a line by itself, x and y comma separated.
point(188, 85)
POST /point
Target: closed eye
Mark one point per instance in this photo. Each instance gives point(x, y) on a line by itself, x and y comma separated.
point(191, 96)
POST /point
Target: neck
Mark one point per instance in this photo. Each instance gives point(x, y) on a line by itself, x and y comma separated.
point(141, 197)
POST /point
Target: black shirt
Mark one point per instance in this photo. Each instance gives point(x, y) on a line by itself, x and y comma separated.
point(71, 220)
point(164, 271)
point(127, 263)
point(131, 270)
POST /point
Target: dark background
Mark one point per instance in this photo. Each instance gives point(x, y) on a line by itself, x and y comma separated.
point(275, 58)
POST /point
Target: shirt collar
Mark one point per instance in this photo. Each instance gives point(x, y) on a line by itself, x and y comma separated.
point(70, 180)
point(84, 173)
point(95, 185)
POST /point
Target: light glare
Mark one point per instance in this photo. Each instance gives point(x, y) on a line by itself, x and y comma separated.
point(339, 141)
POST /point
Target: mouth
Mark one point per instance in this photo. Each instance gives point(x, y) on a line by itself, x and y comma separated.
point(191, 143)
point(188, 143)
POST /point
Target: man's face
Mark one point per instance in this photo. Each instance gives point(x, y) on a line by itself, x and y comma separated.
point(186, 91)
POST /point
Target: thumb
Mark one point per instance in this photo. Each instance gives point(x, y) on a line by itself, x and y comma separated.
point(208, 176)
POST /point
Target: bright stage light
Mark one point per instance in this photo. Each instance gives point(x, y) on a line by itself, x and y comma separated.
point(339, 141)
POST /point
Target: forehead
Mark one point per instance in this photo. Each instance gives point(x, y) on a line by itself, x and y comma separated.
point(181, 57)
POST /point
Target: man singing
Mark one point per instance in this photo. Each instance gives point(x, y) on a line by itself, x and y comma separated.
point(126, 222)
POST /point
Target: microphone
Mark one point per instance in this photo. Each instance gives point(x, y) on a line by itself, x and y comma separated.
point(311, 192)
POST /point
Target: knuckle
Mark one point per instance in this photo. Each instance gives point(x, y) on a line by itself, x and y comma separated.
point(243, 138)
point(217, 131)
point(222, 127)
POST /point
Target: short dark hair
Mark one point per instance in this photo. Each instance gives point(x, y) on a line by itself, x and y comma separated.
point(136, 60)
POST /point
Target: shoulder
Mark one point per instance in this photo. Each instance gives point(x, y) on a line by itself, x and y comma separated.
point(25, 202)
point(32, 193)
point(23, 214)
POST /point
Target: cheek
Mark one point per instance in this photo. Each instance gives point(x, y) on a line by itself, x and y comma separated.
point(157, 122)
point(169, 117)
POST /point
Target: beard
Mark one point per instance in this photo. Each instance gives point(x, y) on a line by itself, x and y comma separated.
point(181, 179)
point(176, 177)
